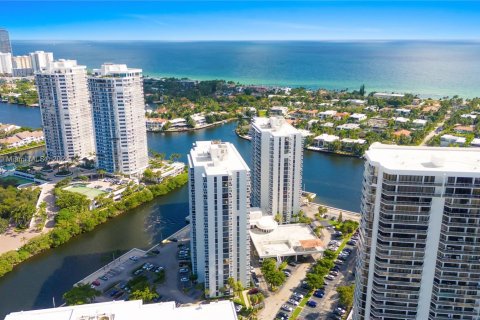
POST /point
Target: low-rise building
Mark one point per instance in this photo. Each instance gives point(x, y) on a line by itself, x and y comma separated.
point(377, 124)
point(348, 126)
point(324, 141)
point(22, 139)
point(401, 120)
point(402, 132)
point(341, 115)
point(419, 123)
point(278, 111)
point(475, 142)
point(348, 144)
point(199, 120)
point(327, 125)
point(135, 309)
point(358, 117)
point(10, 142)
point(178, 123)
point(356, 102)
point(385, 95)
point(5, 128)
point(463, 129)
point(403, 111)
point(155, 124)
point(469, 116)
point(327, 114)
point(448, 139)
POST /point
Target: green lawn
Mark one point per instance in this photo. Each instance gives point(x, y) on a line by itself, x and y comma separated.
point(13, 181)
point(91, 193)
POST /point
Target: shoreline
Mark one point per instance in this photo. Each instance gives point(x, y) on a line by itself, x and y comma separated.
point(210, 125)
point(7, 152)
point(12, 258)
point(344, 154)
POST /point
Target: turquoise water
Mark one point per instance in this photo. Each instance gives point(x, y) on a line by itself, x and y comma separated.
point(427, 68)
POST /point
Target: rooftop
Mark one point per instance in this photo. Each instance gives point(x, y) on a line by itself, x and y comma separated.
point(127, 310)
point(276, 125)
point(110, 69)
point(271, 239)
point(426, 159)
point(217, 157)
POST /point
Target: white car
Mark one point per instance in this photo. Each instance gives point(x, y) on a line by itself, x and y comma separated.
point(329, 277)
point(184, 279)
point(293, 301)
point(299, 295)
point(286, 307)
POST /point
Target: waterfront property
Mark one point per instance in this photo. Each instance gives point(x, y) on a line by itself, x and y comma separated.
point(219, 185)
point(66, 112)
point(277, 159)
point(272, 240)
point(128, 310)
point(119, 119)
point(420, 232)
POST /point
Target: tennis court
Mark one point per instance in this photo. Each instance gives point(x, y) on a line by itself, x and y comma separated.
point(91, 193)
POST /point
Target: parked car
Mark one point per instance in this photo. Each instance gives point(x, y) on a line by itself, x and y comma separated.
point(340, 310)
point(286, 307)
point(352, 242)
point(184, 279)
point(334, 273)
point(183, 270)
point(286, 273)
point(96, 283)
point(311, 304)
point(292, 263)
point(293, 301)
point(238, 308)
point(319, 293)
point(329, 277)
point(298, 294)
point(339, 262)
point(296, 298)
point(134, 258)
point(282, 316)
point(104, 278)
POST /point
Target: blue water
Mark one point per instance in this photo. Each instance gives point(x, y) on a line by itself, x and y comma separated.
point(20, 115)
point(429, 68)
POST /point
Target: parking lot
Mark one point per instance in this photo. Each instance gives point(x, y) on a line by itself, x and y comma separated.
point(172, 258)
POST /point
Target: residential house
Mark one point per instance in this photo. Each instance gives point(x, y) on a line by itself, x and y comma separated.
point(356, 102)
point(402, 132)
point(377, 124)
point(385, 95)
point(358, 117)
point(348, 126)
point(469, 116)
point(324, 141)
point(155, 124)
point(278, 111)
point(199, 120)
point(464, 129)
point(178, 123)
point(475, 142)
point(419, 123)
point(5, 128)
point(340, 116)
point(402, 111)
point(311, 123)
point(348, 144)
point(327, 114)
point(401, 120)
point(448, 139)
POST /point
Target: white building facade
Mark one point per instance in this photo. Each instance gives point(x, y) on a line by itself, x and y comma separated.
point(65, 110)
point(40, 60)
point(119, 119)
point(277, 158)
point(6, 66)
point(419, 255)
point(219, 189)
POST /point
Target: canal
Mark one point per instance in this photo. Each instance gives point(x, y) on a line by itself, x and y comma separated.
point(335, 179)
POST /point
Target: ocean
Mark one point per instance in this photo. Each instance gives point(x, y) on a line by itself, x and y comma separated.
point(427, 68)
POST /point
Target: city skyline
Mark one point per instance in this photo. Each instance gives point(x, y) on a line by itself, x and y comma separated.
point(251, 20)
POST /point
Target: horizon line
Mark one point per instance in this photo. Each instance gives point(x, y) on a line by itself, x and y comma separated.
point(262, 40)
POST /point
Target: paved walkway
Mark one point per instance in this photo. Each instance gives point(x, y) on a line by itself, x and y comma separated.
point(311, 209)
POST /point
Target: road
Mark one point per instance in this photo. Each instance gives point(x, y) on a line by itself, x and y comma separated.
point(434, 132)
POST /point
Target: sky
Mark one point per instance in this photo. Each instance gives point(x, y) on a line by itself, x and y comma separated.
point(247, 20)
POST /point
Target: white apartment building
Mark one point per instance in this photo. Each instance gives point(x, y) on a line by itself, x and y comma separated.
point(22, 66)
point(219, 189)
point(40, 60)
point(65, 109)
point(419, 255)
point(6, 63)
point(277, 157)
point(118, 105)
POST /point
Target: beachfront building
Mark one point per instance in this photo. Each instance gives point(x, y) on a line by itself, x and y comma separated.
point(6, 67)
point(219, 189)
point(118, 106)
point(420, 234)
point(22, 66)
point(135, 309)
point(5, 46)
point(65, 109)
point(386, 95)
point(277, 158)
point(324, 141)
point(40, 60)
